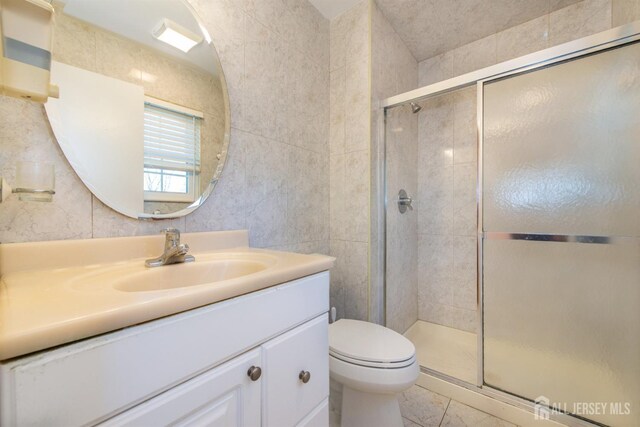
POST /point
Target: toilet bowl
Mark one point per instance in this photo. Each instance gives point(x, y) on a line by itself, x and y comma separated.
point(369, 365)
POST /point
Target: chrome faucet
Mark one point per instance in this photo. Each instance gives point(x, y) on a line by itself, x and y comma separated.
point(174, 251)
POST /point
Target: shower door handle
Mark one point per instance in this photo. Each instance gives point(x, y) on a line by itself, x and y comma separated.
point(404, 202)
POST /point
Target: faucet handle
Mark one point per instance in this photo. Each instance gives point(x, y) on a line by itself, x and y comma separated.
point(171, 231)
point(172, 237)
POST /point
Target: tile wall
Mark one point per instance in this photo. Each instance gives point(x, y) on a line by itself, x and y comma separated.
point(349, 129)
point(368, 63)
point(275, 55)
point(447, 153)
point(394, 71)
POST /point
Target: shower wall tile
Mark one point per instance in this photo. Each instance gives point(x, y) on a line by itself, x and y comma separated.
point(275, 57)
point(446, 209)
point(574, 21)
point(465, 272)
point(436, 69)
point(436, 268)
point(465, 126)
point(478, 54)
point(624, 11)
point(435, 128)
point(464, 199)
point(579, 20)
point(448, 315)
point(435, 200)
point(522, 39)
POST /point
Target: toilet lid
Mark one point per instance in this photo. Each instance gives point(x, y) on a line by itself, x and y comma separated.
point(368, 342)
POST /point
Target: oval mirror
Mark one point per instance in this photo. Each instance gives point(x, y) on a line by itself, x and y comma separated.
point(143, 113)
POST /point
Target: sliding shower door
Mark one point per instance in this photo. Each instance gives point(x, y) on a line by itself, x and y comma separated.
point(561, 236)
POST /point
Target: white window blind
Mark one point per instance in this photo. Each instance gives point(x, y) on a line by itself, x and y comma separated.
point(171, 139)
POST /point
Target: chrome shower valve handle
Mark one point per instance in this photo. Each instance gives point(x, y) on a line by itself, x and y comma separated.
point(404, 202)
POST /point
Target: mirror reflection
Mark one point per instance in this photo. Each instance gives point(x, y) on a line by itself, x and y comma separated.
point(143, 112)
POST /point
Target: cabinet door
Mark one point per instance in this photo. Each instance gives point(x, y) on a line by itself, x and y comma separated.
point(222, 397)
point(286, 398)
point(319, 417)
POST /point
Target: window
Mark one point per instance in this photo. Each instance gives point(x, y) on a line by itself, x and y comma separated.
point(171, 151)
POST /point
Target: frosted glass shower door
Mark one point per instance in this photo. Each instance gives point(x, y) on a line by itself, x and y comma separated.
point(561, 235)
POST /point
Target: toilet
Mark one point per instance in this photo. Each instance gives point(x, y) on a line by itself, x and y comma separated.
point(369, 365)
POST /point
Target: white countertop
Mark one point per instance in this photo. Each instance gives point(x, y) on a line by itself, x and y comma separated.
point(53, 293)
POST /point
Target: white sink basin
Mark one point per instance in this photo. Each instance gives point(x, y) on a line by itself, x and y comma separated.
point(188, 274)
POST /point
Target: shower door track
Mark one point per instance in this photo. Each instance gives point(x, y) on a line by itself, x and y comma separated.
point(578, 48)
point(590, 44)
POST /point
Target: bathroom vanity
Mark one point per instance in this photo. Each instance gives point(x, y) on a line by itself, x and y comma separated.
point(87, 339)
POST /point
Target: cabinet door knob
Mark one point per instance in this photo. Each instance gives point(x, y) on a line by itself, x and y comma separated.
point(254, 373)
point(304, 376)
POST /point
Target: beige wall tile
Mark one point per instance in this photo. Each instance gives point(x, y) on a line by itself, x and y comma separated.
point(107, 223)
point(338, 213)
point(337, 112)
point(465, 126)
point(349, 279)
point(25, 136)
point(435, 201)
point(464, 199)
point(624, 12)
point(475, 55)
point(579, 20)
point(357, 196)
point(436, 69)
point(226, 209)
point(522, 39)
point(465, 272)
point(307, 207)
point(357, 106)
point(267, 184)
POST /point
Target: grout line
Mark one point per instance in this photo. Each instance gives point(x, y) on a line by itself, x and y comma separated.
point(445, 412)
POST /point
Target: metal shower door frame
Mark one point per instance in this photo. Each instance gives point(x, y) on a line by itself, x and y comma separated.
point(605, 40)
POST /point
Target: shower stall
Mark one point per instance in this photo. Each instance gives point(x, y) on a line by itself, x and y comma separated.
point(511, 229)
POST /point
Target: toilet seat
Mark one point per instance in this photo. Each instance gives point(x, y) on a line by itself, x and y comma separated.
point(373, 364)
point(367, 344)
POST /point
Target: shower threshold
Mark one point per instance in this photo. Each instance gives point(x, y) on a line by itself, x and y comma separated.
point(450, 351)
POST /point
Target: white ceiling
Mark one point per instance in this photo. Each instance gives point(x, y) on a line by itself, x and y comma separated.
point(332, 8)
point(431, 27)
point(136, 19)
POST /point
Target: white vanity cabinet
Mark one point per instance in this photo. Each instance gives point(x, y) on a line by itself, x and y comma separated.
point(187, 369)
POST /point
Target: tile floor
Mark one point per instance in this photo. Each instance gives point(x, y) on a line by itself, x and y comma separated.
point(423, 408)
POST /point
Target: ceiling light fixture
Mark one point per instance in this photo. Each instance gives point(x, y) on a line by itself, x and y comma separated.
point(176, 35)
